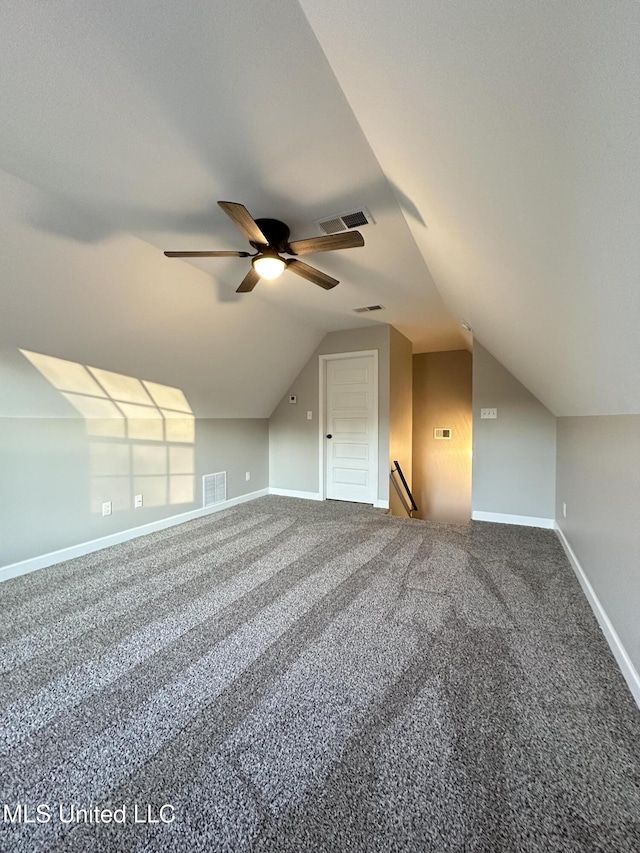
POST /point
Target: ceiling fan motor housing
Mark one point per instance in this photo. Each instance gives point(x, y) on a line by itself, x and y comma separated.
point(276, 232)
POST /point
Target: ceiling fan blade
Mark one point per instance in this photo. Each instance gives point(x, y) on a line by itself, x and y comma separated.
point(348, 240)
point(312, 274)
point(207, 254)
point(245, 222)
point(249, 282)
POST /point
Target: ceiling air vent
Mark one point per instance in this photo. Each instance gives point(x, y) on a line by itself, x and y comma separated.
point(369, 308)
point(345, 221)
point(214, 488)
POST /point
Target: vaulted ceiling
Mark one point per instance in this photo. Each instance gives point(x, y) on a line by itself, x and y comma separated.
point(495, 145)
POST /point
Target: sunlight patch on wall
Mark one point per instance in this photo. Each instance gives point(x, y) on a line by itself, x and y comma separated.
point(110, 458)
point(141, 433)
point(64, 375)
point(168, 398)
point(178, 427)
point(124, 388)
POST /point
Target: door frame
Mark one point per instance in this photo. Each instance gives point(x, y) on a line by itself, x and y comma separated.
point(322, 374)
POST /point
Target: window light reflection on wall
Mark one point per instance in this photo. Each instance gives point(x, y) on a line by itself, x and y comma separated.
point(141, 433)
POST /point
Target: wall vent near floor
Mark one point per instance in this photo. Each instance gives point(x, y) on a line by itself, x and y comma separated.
point(442, 432)
point(369, 308)
point(214, 488)
point(345, 221)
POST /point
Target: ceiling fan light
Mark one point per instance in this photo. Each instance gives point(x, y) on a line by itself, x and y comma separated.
point(269, 266)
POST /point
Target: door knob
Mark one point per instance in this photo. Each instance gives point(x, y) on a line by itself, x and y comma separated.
point(329, 436)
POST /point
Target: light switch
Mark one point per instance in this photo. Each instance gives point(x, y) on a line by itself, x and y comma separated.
point(309, 416)
point(488, 413)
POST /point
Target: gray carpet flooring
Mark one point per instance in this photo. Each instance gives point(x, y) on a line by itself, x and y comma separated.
point(293, 676)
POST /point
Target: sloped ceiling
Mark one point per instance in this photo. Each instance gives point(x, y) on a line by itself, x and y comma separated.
point(513, 129)
point(133, 119)
point(116, 304)
point(494, 143)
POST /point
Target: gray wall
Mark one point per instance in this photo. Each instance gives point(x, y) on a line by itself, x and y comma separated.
point(514, 457)
point(400, 411)
point(598, 479)
point(56, 472)
point(294, 440)
point(442, 468)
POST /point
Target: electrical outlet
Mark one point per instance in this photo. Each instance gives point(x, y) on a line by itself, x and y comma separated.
point(564, 510)
point(309, 416)
point(488, 413)
point(106, 508)
point(137, 501)
point(247, 475)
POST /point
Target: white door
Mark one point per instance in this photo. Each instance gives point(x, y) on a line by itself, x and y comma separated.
point(351, 429)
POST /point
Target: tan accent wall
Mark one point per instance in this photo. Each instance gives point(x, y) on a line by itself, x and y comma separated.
point(442, 468)
point(400, 411)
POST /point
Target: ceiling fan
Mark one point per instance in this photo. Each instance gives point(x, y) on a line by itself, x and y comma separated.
point(270, 239)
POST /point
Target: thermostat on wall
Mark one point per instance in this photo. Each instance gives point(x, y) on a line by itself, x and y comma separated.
point(293, 398)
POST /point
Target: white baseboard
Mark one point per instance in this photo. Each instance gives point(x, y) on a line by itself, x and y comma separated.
point(292, 493)
point(522, 520)
point(315, 496)
point(623, 660)
point(25, 566)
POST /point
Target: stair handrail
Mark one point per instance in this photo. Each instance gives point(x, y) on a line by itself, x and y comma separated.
point(413, 506)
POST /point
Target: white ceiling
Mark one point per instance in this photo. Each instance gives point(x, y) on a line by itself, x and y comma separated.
point(513, 128)
point(117, 304)
point(494, 143)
